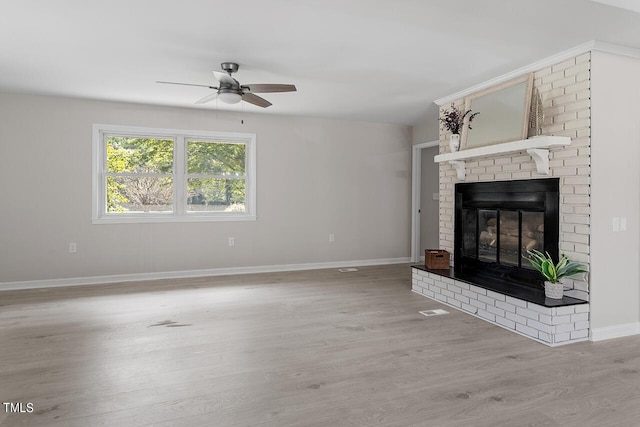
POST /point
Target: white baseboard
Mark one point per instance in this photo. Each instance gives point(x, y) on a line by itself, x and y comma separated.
point(136, 277)
point(617, 331)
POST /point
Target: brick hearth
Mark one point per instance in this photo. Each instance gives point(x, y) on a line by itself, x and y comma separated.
point(549, 325)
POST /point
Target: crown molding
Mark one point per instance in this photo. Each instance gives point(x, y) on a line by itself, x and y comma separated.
point(546, 62)
point(616, 49)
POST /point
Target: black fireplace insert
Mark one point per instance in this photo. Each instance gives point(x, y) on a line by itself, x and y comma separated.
point(497, 222)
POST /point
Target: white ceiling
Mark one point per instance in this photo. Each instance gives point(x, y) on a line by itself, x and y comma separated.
point(374, 60)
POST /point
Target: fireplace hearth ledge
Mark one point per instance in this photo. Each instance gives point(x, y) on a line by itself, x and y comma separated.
point(549, 322)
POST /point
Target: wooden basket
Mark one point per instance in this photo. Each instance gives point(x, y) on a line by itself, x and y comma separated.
point(436, 259)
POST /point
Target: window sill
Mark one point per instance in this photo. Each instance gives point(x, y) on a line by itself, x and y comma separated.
point(171, 218)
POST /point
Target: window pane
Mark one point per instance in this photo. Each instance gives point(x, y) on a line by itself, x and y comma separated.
point(139, 194)
point(532, 234)
point(162, 175)
point(216, 195)
point(139, 155)
point(216, 158)
point(487, 246)
point(509, 237)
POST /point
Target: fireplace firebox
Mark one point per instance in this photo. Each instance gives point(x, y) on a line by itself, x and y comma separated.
point(497, 222)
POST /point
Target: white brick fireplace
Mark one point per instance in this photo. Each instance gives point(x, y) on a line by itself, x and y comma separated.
point(565, 92)
point(565, 89)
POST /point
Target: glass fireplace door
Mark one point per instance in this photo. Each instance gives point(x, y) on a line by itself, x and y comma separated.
point(502, 236)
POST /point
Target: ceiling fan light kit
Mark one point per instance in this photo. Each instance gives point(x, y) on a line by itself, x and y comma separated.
point(229, 96)
point(230, 91)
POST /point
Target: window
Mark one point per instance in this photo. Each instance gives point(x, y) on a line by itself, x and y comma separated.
point(157, 175)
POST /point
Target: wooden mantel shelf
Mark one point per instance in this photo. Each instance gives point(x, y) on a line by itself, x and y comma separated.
point(537, 147)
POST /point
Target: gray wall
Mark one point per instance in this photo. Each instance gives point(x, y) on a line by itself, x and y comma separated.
point(429, 208)
point(427, 129)
point(315, 177)
point(615, 182)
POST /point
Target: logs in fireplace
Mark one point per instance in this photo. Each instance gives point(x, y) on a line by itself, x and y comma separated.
point(496, 223)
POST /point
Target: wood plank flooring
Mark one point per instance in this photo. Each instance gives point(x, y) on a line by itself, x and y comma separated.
point(310, 348)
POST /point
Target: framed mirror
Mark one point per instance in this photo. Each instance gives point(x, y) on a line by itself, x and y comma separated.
point(504, 113)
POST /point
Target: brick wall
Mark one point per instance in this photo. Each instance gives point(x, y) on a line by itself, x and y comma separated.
point(565, 92)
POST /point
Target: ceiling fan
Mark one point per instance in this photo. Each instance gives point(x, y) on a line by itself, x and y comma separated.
point(230, 91)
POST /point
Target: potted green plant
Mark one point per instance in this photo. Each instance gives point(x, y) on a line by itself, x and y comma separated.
point(553, 272)
point(453, 121)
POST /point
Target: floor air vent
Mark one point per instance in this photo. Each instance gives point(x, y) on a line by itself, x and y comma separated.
point(435, 312)
point(347, 270)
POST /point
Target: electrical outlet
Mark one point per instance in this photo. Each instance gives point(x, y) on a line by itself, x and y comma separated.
point(332, 237)
point(623, 223)
point(615, 224)
point(73, 248)
point(232, 241)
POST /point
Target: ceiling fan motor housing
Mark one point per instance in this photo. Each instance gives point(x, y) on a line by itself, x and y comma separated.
point(229, 67)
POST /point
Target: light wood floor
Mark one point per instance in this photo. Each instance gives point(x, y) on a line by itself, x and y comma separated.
point(313, 348)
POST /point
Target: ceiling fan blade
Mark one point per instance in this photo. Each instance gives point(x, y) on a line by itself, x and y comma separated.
point(268, 88)
point(207, 98)
point(255, 100)
point(224, 78)
point(186, 84)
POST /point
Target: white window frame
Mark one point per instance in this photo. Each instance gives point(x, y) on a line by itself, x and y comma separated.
point(180, 138)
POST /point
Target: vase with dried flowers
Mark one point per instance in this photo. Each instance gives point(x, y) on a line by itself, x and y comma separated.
point(453, 121)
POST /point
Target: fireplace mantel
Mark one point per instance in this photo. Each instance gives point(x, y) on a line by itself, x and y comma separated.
point(537, 147)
